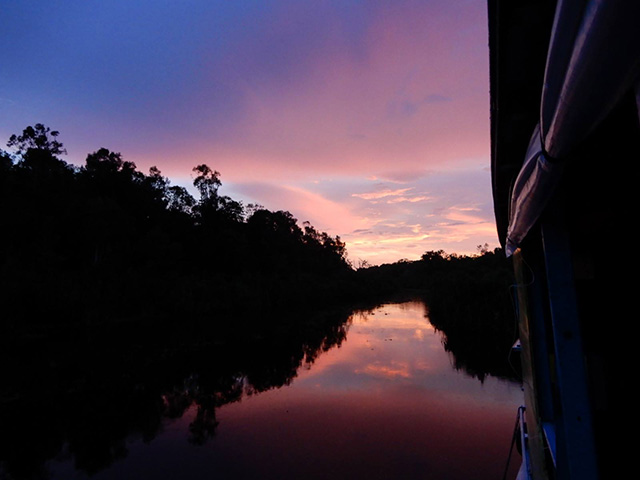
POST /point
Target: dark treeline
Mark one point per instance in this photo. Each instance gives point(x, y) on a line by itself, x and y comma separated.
point(469, 300)
point(105, 241)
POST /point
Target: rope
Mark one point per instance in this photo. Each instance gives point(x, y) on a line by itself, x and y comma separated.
point(513, 442)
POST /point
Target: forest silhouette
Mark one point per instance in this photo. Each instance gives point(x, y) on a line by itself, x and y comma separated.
point(103, 244)
point(125, 300)
point(107, 242)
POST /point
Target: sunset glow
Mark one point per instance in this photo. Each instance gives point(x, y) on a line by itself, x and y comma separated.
point(368, 119)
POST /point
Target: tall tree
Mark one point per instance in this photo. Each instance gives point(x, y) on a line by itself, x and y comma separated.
point(207, 182)
point(37, 137)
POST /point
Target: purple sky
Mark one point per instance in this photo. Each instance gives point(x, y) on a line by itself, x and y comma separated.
point(370, 119)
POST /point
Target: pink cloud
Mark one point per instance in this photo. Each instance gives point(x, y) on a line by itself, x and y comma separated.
point(415, 97)
point(323, 213)
point(381, 194)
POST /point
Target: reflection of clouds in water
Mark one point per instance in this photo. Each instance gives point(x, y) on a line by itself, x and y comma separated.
point(381, 323)
point(382, 396)
point(396, 369)
point(389, 348)
point(423, 366)
point(395, 345)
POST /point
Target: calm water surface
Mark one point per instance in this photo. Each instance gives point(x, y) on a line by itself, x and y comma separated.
point(385, 404)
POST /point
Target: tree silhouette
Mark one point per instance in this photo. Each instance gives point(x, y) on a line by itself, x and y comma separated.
point(207, 182)
point(105, 240)
point(37, 137)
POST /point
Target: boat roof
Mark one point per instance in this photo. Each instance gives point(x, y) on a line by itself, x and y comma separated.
point(518, 41)
point(557, 72)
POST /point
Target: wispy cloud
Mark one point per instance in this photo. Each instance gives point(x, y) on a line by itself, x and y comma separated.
point(381, 193)
point(416, 199)
point(324, 213)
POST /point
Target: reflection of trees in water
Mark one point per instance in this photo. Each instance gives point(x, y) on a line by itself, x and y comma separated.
point(83, 400)
point(469, 301)
point(478, 333)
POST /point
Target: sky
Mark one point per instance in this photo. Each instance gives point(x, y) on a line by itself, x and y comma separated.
point(369, 119)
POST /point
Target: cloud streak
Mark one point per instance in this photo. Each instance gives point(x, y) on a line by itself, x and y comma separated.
point(381, 194)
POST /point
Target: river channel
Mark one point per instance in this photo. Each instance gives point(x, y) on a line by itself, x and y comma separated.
point(384, 402)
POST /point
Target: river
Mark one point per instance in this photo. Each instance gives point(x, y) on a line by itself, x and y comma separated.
point(384, 402)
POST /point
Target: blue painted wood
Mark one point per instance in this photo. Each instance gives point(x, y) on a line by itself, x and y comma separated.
point(549, 430)
point(576, 455)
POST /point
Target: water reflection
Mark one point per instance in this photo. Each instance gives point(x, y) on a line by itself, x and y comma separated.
point(371, 395)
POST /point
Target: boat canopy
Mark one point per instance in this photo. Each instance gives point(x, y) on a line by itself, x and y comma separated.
point(592, 62)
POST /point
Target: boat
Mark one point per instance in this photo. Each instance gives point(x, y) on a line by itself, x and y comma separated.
point(565, 138)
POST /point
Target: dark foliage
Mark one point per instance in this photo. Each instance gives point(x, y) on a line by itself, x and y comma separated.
point(107, 242)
